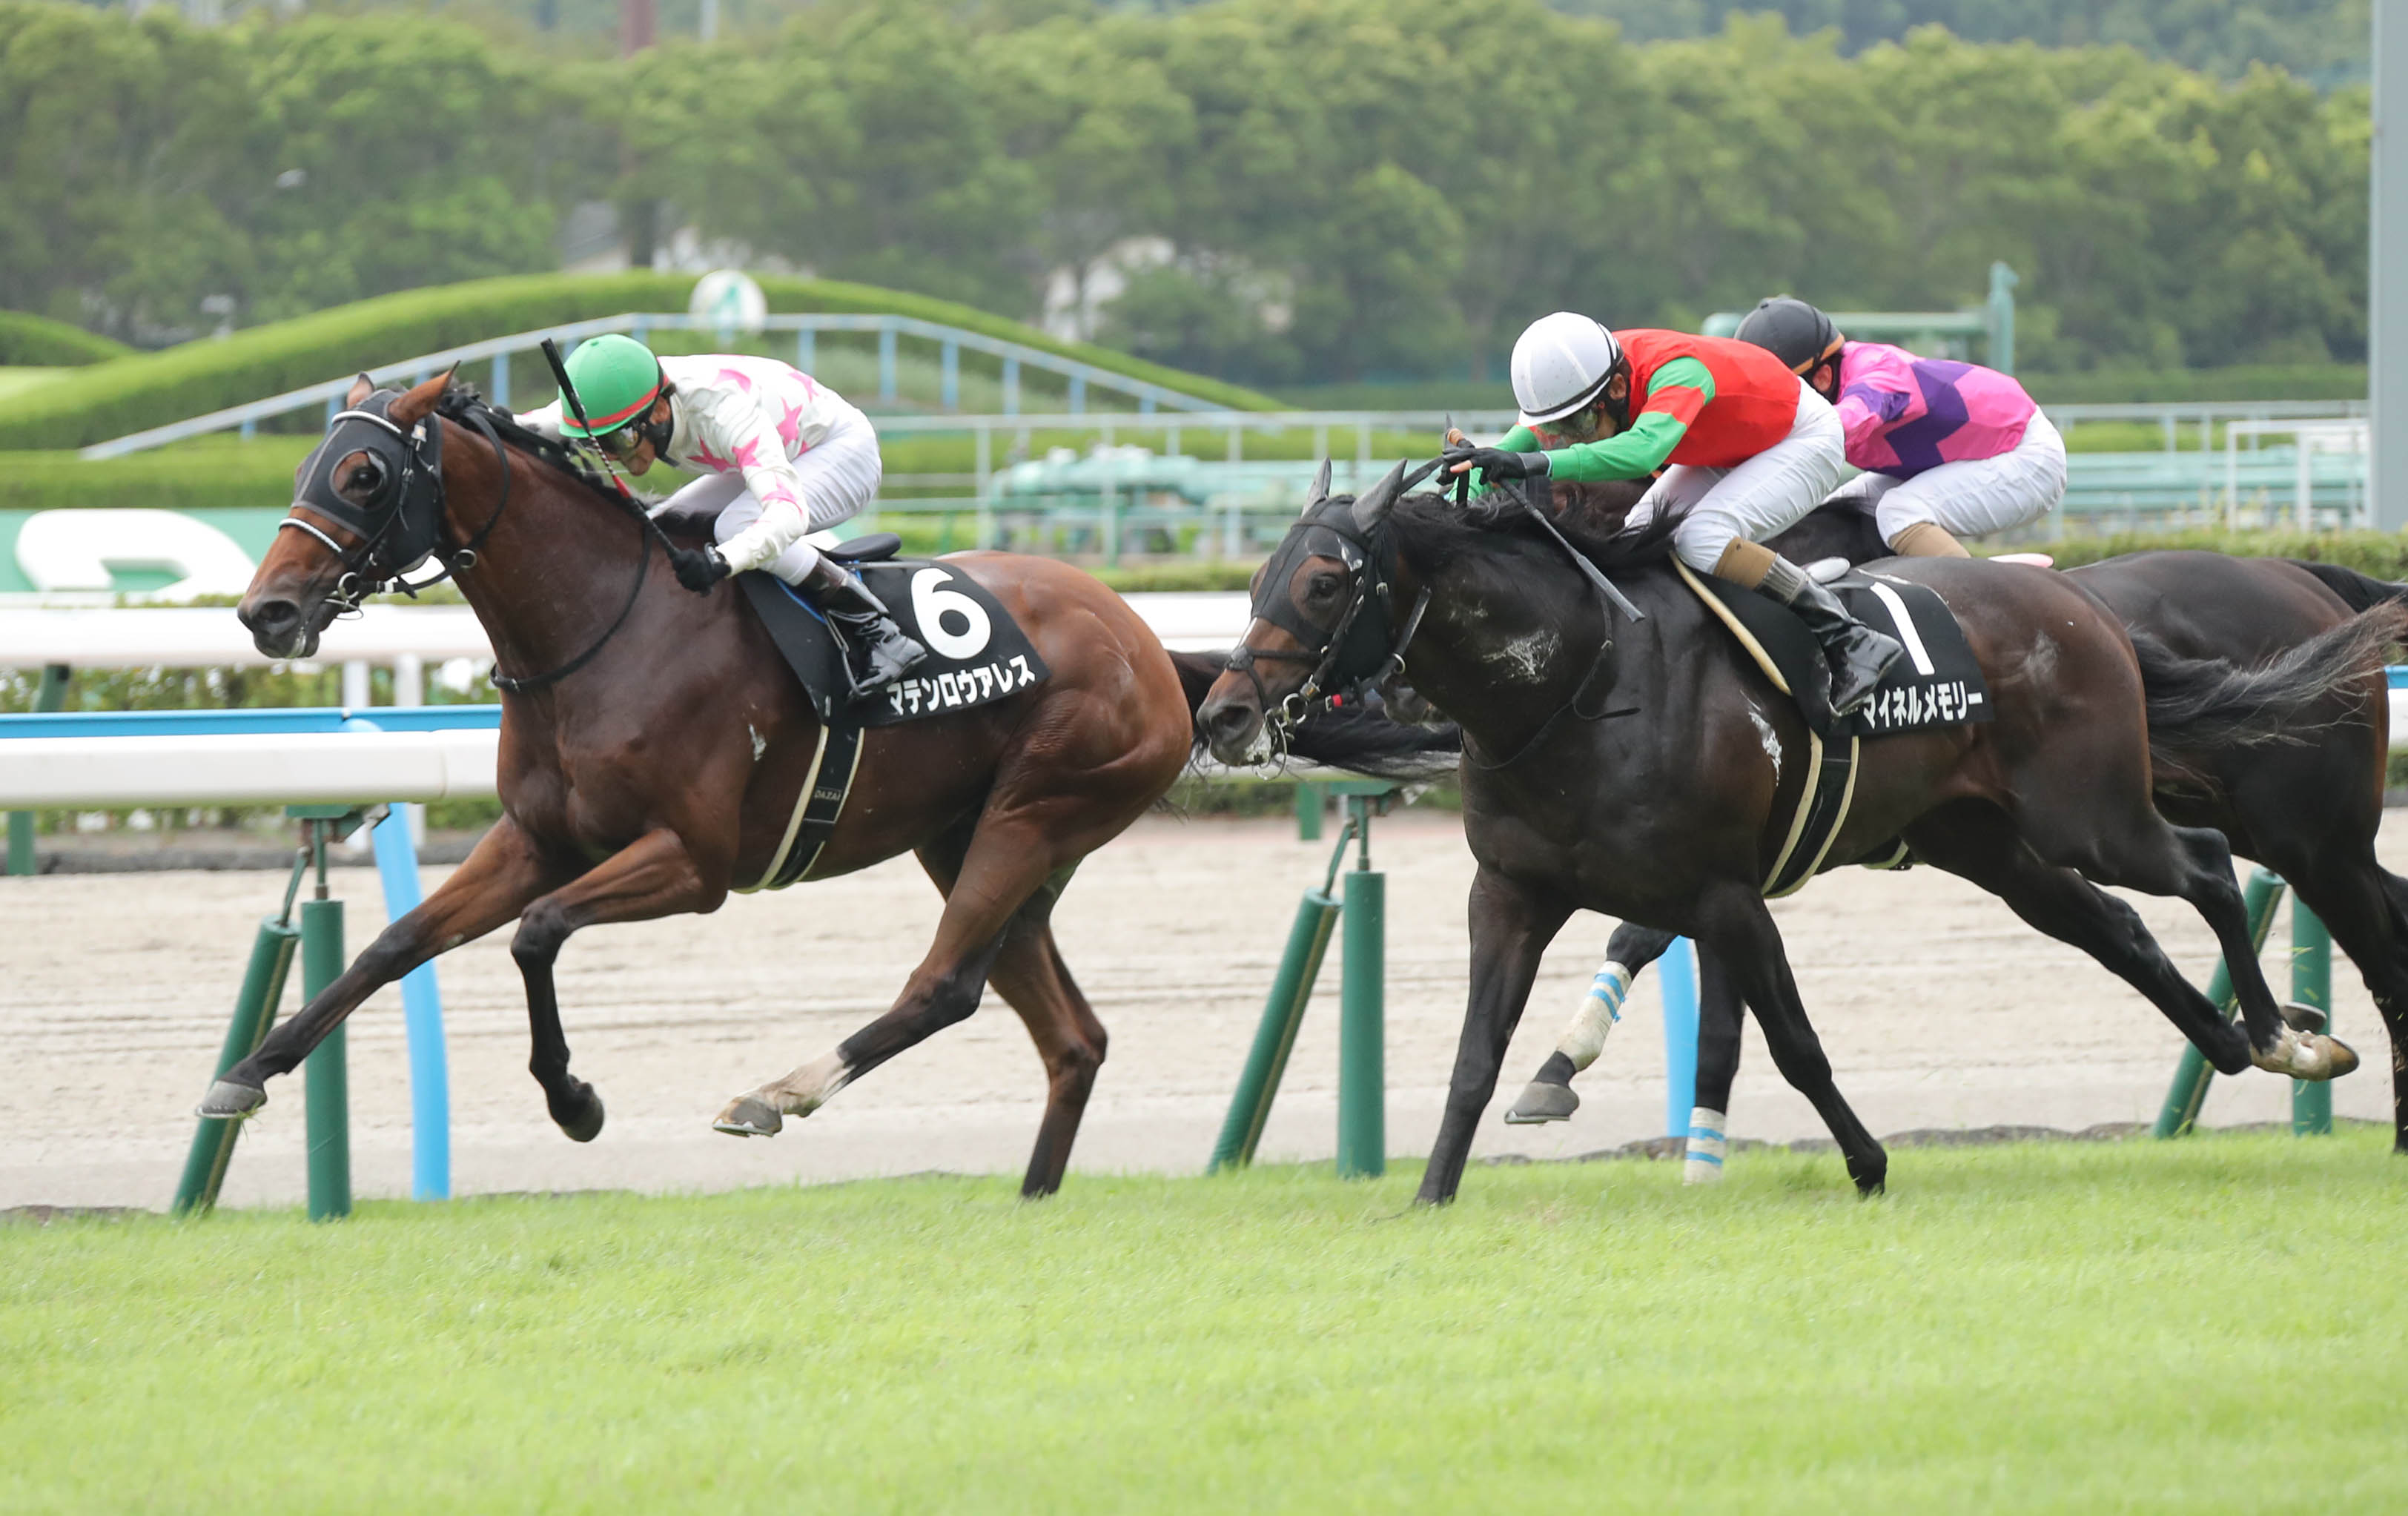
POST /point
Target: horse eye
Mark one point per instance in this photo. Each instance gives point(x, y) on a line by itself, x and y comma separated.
point(1324, 584)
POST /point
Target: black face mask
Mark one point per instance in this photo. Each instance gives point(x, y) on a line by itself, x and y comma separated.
point(398, 522)
point(1361, 636)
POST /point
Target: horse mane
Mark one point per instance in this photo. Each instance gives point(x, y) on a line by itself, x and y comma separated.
point(461, 403)
point(1439, 535)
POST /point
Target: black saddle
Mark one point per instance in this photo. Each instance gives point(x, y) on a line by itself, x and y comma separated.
point(868, 547)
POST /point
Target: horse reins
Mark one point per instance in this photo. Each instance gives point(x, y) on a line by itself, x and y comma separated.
point(419, 476)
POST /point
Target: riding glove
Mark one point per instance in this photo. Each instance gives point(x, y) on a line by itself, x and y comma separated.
point(1495, 464)
point(698, 568)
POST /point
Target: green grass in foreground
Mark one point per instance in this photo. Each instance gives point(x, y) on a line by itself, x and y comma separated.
point(2213, 1325)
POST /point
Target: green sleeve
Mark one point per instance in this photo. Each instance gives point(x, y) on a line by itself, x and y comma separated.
point(1680, 389)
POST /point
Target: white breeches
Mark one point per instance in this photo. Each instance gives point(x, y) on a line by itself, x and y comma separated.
point(1760, 499)
point(1972, 497)
point(840, 478)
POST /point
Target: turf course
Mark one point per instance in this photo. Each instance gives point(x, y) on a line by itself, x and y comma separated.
point(2213, 1326)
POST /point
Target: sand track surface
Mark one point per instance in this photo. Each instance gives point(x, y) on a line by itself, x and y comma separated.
point(1937, 1007)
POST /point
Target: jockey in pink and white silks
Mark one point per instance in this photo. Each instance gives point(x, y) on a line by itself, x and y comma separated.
point(1948, 450)
point(780, 455)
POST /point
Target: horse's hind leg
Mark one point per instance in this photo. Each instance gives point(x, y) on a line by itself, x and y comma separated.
point(1549, 1097)
point(1738, 928)
point(2362, 906)
point(653, 876)
point(1978, 843)
point(1008, 861)
point(1030, 975)
point(2195, 864)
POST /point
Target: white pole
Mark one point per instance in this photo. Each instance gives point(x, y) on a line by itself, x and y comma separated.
point(2387, 305)
point(356, 688)
point(409, 688)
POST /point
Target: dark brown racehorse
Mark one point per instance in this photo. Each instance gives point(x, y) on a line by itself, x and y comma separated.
point(1623, 766)
point(661, 770)
point(2307, 808)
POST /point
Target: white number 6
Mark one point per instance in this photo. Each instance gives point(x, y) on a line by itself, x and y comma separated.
point(931, 604)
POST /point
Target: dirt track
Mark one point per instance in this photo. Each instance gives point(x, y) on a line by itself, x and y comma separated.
point(1937, 1007)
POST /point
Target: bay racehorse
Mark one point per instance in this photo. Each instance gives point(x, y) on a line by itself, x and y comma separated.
point(2309, 808)
point(1623, 765)
point(653, 745)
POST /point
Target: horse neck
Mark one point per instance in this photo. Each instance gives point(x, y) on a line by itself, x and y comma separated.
point(555, 568)
point(1505, 641)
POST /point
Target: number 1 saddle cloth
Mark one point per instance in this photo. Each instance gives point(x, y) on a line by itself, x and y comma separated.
point(1936, 683)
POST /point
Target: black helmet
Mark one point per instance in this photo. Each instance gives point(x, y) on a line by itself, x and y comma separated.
point(1791, 330)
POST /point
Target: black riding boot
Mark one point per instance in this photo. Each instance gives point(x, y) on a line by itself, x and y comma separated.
point(877, 650)
point(1859, 656)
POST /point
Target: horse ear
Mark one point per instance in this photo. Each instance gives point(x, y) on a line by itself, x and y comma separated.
point(418, 402)
point(362, 388)
point(1320, 491)
point(1372, 506)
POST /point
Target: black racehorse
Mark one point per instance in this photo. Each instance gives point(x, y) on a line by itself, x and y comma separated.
point(2309, 810)
point(1620, 765)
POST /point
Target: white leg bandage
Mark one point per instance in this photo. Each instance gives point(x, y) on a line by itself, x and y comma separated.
point(1585, 1039)
point(1705, 1164)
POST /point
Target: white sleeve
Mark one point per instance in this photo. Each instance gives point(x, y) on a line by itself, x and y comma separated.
point(739, 429)
point(544, 421)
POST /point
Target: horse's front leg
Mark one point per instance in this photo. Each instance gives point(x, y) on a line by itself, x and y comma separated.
point(501, 875)
point(1549, 1097)
point(652, 876)
point(1511, 924)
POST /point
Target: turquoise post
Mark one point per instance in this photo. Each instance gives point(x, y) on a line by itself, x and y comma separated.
point(1678, 980)
point(1362, 1053)
point(2188, 1091)
point(2311, 985)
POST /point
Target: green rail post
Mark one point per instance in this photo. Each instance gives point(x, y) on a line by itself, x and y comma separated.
point(1308, 943)
point(2311, 985)
point(254, 1011)
point(327, 1072)
point(1308, 811)
point(1361, 1055)
point(2188, 1091)
point(51, 694)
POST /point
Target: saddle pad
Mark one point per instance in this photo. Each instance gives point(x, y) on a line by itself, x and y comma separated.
point(1936, 684)
point(976, 654)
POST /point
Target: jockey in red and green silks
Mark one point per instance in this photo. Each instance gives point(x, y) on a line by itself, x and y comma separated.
point(1746, 448)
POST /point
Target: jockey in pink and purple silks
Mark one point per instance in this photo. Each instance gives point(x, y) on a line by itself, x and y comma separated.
point(780, 455)
point(1948, 450)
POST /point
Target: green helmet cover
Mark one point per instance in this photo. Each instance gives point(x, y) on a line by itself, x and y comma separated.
point(617, 379)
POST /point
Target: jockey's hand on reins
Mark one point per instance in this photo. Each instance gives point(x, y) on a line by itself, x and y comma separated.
point(698, 568)
point(1495, 464)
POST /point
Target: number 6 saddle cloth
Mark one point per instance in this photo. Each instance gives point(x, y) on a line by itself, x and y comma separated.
point(976, 655)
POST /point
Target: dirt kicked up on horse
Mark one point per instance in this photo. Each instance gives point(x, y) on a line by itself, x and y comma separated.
point(653, 746)
point(2305, 802)
point(1625, 766)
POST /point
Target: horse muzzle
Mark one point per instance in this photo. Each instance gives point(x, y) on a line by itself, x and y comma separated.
point(278, 628)
point(1232, 726)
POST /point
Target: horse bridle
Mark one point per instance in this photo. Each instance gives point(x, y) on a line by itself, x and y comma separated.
point(1369, 558)
point(397, 527)
point(401, 523)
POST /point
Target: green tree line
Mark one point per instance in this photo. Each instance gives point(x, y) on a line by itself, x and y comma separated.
point(1347, 188)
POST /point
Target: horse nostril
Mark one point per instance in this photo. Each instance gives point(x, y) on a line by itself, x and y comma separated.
point(269, 617)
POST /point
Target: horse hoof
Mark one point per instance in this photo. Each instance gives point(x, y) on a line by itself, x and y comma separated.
point(579, 1113)
point(748, 1117)
point(2307, 1055)
point(2301, 1017)
point(1543, 1103)
point(230, 1102)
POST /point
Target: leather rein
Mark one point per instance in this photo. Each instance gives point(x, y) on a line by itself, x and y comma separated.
point(402, 521)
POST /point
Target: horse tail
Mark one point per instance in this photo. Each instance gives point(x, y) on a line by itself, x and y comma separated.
point(2201, 705)
point(1350, 737)
point(2360, 592)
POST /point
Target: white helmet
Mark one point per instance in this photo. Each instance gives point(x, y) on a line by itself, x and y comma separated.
point(1560, 362)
